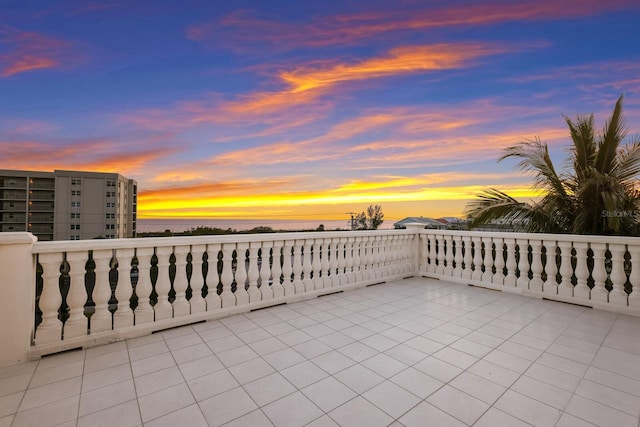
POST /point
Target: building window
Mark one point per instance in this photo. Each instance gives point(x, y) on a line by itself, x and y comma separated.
point(75, 215)
point(75, 181)
point(111, 183)
point(75, 192)
point(75, 237)
point(75, 204)
point(75, 226)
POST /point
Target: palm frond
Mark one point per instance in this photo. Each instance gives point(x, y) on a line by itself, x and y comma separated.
point(613, 134)
point(535, 160)
point(628, 161)
point(584, 146)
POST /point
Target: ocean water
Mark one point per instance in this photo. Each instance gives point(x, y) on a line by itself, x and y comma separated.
point(179, 225)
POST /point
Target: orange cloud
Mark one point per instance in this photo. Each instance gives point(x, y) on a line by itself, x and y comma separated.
point(97, 155)
point(28, 51)
point(242, 31)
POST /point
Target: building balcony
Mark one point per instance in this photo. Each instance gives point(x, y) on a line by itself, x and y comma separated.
point(336, 328)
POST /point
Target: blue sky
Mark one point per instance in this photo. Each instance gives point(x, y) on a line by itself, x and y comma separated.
point(302, 109)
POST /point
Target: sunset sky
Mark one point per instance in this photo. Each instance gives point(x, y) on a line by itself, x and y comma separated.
point(307, 109)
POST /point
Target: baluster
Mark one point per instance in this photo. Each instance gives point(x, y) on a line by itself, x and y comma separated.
point(477, 258)
point(457, 258)
point(523, 264)
point(227, 297)
point(536, 266)
point(213, 300)
point(307, 266)
point(467, 271)
point(254, 274)
point(297, 266)
point(341, 261)
point(581, 289)
point(197, 302)
point(163, 308)
point(423, 253)
point(180, 304)
point(266, 291)
point(287, 267)
point(357, 260)
point(77, 323)
point(144, 312)
point(550, 286)
point(634, 277)
point(349, 260)
point(498, 277)
point(395, 252)
point(448, 255)
point(276, 286)
point(439, 254)
point(433, 264)
point(599, 292)
point(487, 275)
point(242, 296)
point(510, 279)
point(101, 318)
point(618, 296)
point(123, 317)
point(565, 288)
point(50, 330)
point(316, 264)
point(333, 263)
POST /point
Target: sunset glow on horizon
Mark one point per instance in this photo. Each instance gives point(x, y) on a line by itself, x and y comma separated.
point(307, 110)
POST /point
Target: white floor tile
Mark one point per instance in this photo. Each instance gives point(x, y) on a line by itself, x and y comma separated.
point(425, 411)
point(227, 406)
point(333, 362)
point(303, 374)
point(458, 404)
point(527, 409)
point(391, 398)
point(359, 412)
point(282, 412)
point(212, 384)
point(478, 387)
point(54, 413)
point(125, 415)
point(190, 416)
point(165, 401)
point(495, 417)
point(438, 369)
point(384, 365)
point(106, 397)
point(358, 378)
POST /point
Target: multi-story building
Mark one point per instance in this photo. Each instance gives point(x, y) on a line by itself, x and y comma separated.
point(68, 205)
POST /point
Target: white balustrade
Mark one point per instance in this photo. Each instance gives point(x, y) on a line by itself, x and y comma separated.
point(294, 266)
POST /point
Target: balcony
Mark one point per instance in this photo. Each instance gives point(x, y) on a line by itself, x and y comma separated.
point(307, 341)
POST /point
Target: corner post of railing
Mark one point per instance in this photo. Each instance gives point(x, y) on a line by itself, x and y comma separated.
point(417, 248)
point(17, 305)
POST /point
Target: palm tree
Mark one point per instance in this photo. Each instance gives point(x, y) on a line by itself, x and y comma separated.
point(599, 195)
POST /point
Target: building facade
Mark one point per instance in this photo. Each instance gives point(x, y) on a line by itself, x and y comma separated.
point(68, 205)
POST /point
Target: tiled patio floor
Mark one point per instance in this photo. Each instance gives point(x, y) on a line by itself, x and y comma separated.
point(417, 352)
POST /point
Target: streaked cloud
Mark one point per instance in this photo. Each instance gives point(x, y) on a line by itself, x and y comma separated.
point(26, 51)
point(244, 30)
